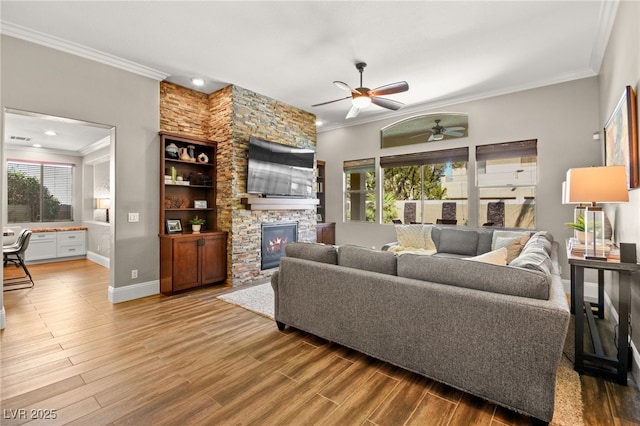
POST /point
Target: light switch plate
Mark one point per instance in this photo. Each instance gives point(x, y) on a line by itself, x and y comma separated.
point(134, 217)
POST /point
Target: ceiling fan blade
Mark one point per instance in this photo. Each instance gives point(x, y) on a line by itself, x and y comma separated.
point(344, 86)
point(387, 103)
point(353, 112)
point(390, 89)
point(455, 128)
point(455, 134)
point(420, 135)
point(431, 138)
point(330, 102)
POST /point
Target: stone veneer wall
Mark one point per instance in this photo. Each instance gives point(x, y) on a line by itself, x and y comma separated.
point(233, 114)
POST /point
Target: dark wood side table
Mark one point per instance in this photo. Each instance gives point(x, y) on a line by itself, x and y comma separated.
point(597, 363)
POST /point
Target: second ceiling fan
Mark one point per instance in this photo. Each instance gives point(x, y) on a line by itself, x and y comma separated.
point(362, 97)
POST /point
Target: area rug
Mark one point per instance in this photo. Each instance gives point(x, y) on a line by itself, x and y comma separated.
point(257, 299)
point(568, 409)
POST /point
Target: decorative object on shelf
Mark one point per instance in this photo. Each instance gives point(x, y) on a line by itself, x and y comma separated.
point(174, 202)
point(173, 226)
point(594, 185)
point(621, 137)
point(104, 203)
point(184, 155)
point(171, 151)
point(196, 223)
point(202, 158)
point(200, 204)
point(192, 152)
point(200, 179)
point(173, 174)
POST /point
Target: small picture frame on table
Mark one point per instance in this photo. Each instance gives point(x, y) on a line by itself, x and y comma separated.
point(173, 226)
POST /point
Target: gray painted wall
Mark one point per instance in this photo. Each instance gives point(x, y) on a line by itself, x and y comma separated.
point(562, 117)
point(620, 68)
point(40, 79)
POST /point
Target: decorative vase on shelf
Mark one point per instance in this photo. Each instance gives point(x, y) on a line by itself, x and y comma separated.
point(196, 228)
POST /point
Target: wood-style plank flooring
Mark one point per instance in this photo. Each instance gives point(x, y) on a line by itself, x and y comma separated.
point(193, 359)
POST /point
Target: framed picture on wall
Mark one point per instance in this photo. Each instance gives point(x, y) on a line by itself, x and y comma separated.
point(621, 137)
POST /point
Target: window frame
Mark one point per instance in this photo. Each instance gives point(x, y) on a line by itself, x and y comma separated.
point(47, 170)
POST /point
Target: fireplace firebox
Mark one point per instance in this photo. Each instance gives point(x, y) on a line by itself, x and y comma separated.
point(275, 237)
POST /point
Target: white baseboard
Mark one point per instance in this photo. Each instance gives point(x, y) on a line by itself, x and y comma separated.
point(2, 318)
point(135, 291)
point(591, 293)
point(99, 259)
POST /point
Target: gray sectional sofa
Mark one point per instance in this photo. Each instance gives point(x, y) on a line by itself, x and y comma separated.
point(493, 331)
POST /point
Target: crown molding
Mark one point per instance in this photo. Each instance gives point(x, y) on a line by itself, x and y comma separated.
point(607, 15)
point(36, 37)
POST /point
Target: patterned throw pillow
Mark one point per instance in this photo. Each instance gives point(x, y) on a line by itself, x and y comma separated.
point(415, 236)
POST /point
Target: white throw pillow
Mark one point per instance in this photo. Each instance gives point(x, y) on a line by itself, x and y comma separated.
point(428, 241)
point(496, 257)
point(410, 236)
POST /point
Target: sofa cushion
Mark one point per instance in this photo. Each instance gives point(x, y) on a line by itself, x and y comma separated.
point(485, 236)
point(496, 257)
point(458, 241)
point(383, 262)
point(323, 253)
point(475, 275)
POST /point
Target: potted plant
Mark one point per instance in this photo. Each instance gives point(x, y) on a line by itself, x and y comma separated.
point(578, 226)
point(196, 223)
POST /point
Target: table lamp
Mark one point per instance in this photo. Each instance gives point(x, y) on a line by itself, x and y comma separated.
point(104, 203)
point(593, 185)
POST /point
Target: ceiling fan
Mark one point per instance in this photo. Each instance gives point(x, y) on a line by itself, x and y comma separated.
point(362, 97)
point(438, 132)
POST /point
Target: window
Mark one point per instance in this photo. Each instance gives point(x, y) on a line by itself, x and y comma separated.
point(426, 187)
point(39, 192)
point(506, 179)
point(360, 190)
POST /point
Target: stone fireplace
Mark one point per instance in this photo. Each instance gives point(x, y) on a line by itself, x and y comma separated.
point(275, 237)
point(229, 117)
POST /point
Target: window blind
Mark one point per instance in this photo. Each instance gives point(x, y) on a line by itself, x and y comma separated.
point(453, 155)
point(526, 148)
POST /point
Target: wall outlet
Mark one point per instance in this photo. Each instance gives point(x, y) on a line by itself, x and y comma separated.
point(134, 217)
point(134, 274)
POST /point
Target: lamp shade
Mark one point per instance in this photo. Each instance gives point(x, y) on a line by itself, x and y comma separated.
point(103, 203)
point(597, 185)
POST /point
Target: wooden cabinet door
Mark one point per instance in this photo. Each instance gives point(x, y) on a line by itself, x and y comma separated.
point(213, 263)
point(185, 263)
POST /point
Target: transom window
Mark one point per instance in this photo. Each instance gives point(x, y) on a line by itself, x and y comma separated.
point(39, 192)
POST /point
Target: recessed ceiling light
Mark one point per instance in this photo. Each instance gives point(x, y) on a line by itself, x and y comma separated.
point(197, 81)
point(50, 133)
point(318, 123)
point(36, 145)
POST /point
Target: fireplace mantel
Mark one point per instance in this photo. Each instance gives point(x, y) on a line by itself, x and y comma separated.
point(259, 203)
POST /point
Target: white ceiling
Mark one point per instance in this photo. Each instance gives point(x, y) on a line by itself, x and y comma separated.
point(448, 51)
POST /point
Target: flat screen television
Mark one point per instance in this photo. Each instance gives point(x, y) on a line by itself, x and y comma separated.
point(279, 170)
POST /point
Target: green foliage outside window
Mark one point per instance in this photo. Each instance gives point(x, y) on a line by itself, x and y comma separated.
point(24, 195)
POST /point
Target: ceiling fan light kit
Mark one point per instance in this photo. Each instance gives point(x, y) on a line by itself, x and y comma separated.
point(362, 97)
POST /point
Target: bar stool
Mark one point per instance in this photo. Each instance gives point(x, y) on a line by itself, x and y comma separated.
point(14, 253)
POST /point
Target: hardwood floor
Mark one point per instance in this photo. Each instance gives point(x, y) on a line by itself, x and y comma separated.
point(193, 359)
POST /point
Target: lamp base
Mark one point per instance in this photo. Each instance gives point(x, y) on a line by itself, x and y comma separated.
point(590, 257)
